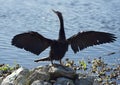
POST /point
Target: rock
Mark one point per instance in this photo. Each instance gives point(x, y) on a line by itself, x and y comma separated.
point(38, 75)
point(20, 80)
point(41, 68)
point(57, 71)
point(90, 80)
point(63, 81)
point(47, 75)
point(96, 82)
point(40, 82)
point(1, 78)
point(8, 83)
point(51, 72)
point(18, 77)
point(1, 73)
point(83, 81)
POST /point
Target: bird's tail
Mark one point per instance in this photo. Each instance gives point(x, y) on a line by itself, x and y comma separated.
point(43, 59)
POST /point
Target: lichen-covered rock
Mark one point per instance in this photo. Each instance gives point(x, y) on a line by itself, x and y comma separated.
point(90, 80)
point(49, 72)
point(14, 78)
point(64, 81)
point(83, 81)
point(40, 82)
point(47, 75)
point(57, 71)
point(96, 82)
point(20, 80)
point(1, 80)
point(8, 83)
point(38, 75)
point(41, 68)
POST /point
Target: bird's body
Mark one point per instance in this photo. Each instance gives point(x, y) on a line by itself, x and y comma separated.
point(58, 50)
point(36, 43)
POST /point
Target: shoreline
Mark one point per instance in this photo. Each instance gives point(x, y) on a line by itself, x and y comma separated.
point(99, 72)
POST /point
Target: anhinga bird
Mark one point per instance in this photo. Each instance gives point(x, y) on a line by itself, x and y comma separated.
point(36, 43)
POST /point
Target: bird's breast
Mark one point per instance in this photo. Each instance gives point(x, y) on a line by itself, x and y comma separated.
point(59, 48)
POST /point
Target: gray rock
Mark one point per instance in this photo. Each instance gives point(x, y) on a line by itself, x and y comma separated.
point(1, 73)
point(13, 79)
point(40, 82)
point(64, 81)
point(38, 75)
point(57, 74)
point(20, 80)
point(7, 83)
point(41, 68)
point(1, 79)
point(57, 71)
point(96, 82)
point(90, 80)
point(51, 72)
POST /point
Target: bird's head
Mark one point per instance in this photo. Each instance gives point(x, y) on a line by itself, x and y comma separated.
point(59, 14)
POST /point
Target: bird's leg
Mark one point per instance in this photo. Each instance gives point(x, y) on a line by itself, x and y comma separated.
point(52, 62)
point(61, 62)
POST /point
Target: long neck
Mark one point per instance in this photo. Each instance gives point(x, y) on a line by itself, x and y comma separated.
point(61, 31)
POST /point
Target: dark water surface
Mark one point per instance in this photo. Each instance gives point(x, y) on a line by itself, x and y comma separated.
point(17, 16)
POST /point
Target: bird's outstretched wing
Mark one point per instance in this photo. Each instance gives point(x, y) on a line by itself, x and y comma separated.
point(31, 41)
point(89, 38)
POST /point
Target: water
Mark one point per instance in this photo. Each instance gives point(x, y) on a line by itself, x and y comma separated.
point(17, 16)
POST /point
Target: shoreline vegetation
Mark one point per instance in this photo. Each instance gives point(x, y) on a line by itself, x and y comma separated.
point(94, 72)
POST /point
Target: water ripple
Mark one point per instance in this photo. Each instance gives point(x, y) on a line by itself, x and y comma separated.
point(18, 16)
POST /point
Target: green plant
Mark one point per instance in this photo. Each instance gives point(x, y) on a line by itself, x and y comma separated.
point(83, 64)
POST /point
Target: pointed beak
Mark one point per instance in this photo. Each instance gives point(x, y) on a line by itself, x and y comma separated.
point(54, 11)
